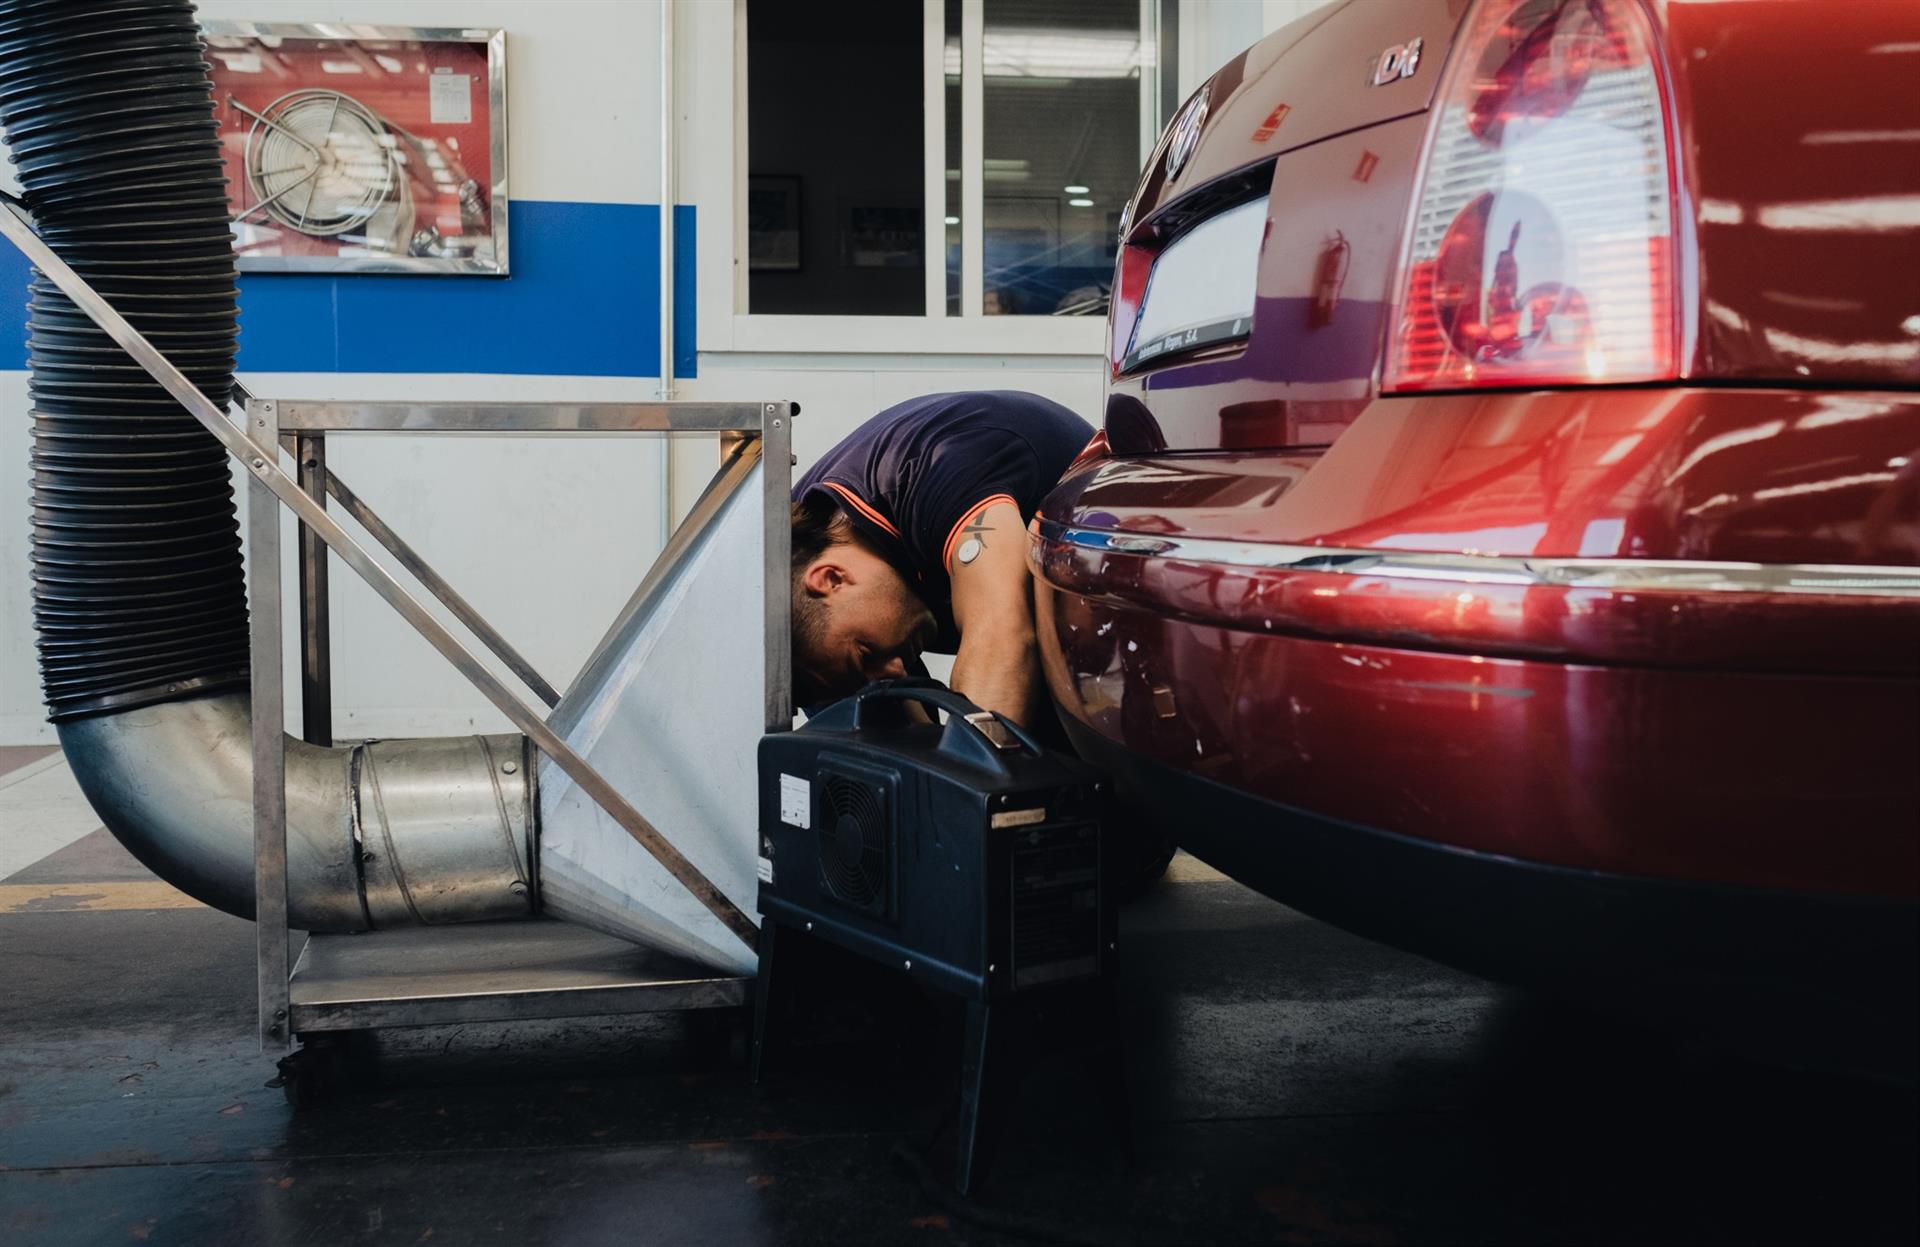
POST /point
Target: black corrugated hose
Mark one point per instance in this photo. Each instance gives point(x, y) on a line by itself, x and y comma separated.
point(137, 589)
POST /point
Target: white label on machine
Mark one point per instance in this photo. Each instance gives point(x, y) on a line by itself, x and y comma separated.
point(796, 801)
point(1020, 818)
point(766, 870)
point(450, 98)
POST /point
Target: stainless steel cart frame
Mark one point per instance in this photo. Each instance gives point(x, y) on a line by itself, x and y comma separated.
point(483, 971)
point(480, 971)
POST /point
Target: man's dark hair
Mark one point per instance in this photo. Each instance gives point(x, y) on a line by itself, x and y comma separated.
point(817, 525)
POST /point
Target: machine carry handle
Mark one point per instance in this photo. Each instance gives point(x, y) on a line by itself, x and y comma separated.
point(998, 732)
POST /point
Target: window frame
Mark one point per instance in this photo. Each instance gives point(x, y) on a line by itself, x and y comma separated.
point(933, 332)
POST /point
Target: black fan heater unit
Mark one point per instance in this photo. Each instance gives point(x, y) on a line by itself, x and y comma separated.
point(962, 854)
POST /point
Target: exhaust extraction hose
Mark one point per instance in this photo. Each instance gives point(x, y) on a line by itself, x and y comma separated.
point(138, 595)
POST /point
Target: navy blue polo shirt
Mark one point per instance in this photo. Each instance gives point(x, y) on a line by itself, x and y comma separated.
point(914, 476)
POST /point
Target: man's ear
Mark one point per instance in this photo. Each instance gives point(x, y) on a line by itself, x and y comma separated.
point(823, 576)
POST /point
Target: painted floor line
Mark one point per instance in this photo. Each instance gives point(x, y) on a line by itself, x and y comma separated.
point(53, 898)
point(41, 815)
point(151, 894)
point(31, 769)
point(1185, 869)
point(44, 898)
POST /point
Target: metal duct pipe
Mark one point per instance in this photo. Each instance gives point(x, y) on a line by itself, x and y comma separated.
point(380, 834)
point(138, 597)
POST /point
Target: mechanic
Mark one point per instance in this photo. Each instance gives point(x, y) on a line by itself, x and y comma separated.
point(910, 535)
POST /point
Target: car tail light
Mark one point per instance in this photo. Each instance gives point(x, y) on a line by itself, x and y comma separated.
point(1129, 285)
point(1094, 451)
point(1541, 245)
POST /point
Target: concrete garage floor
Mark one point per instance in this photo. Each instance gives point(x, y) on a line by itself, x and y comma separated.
point(1290, 1084)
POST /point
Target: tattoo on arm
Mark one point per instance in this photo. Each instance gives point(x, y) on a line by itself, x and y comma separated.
point(979, 529)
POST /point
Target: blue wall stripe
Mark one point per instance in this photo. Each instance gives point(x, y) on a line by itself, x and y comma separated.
point(583, 300)
point(14, 274)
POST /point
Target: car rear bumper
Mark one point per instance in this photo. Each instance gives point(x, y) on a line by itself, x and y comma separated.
point(1822, 979)
point(1693, 613)
point(1722, 771)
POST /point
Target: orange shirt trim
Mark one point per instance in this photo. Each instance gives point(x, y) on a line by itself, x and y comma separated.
point(860, 505)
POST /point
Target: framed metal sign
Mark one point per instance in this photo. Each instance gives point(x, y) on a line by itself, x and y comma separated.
point(357, 148)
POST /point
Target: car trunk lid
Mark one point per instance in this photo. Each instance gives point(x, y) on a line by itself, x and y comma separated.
point(1310, 80)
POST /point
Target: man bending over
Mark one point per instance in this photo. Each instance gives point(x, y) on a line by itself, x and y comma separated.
point(910, 535)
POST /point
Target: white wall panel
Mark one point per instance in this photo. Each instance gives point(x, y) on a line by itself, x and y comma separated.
point(546, 537)
point(1277, 13)
point(1213, 32)
point(582, 83)
point(837, 394)
point(20, 712)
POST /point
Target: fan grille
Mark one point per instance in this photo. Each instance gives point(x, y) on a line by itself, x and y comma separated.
point(853, 843)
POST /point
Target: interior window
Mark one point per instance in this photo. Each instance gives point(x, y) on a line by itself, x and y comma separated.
point(1061, 105)
point(836, 193)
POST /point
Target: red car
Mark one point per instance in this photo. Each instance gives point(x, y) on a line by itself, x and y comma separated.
point(1504, 540)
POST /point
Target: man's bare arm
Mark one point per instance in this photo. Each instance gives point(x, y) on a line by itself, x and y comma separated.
point(998, 665)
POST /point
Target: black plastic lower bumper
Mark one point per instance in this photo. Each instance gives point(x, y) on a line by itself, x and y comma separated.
point(1831, 979)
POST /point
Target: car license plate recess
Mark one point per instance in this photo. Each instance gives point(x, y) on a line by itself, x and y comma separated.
point(1201, 290)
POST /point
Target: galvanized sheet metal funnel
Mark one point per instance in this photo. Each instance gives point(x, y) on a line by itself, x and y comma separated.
point(670, 710)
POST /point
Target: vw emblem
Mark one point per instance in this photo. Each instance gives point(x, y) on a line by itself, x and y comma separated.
point(1186, 132)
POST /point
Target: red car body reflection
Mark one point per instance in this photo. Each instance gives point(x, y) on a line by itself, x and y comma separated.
point(1610, 681)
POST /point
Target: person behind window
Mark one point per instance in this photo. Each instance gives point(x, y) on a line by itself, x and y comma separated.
point(1000, 301)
